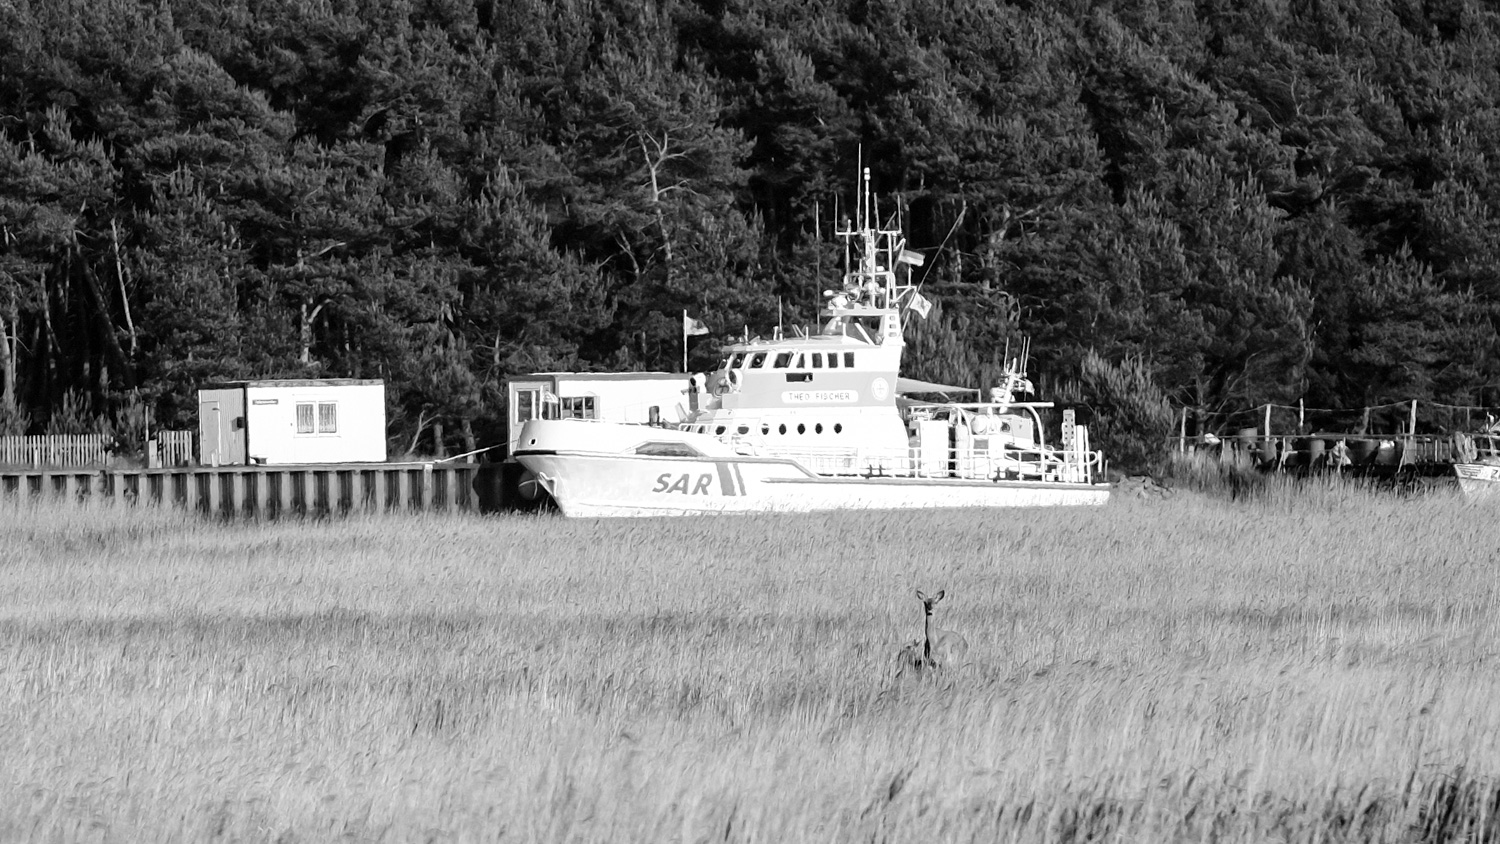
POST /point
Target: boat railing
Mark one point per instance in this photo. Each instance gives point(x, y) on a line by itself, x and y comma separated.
point(1005, 463)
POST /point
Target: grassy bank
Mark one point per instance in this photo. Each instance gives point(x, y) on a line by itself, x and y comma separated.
point(1317, 664)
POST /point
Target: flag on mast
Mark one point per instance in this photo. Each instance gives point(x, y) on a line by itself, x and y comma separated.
point(690, 327)
point(919, 303)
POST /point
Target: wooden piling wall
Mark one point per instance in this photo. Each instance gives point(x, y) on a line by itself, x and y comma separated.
point(262, 491)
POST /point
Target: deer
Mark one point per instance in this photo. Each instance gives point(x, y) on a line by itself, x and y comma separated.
point(938, 648)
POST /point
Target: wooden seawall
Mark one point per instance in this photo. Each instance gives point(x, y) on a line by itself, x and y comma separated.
point(265, 491)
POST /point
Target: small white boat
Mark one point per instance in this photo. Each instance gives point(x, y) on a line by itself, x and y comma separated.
point(823, 421)
point(1478, 466)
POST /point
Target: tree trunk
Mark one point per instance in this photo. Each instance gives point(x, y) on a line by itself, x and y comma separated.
point(468, 433)
point(304, 333)
point(437, 440)
point(8, 339)
point(107, 325)
point(120, 273)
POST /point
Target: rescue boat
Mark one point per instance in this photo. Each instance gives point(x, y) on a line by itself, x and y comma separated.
point(823, 420)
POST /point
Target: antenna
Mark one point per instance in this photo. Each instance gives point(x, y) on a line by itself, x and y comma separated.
point(818, 247)
point(859, 188)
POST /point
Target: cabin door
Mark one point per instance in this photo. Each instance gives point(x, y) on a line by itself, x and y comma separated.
point(527, 402)
point(210, 434)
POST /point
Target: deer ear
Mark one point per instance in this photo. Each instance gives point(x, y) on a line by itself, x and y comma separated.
point(920, 596)
point(939, 595)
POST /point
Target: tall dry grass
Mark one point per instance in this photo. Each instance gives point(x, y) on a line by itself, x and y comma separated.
point(1313, 664)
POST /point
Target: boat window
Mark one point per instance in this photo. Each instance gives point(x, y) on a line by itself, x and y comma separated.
point(833, 360)
point(737, 361)
point(758, 360)
point(765, 429)
point(783, 429)
point(817, 360)
point(818, 428)
point(743, 429)
point(719, 430)
point(849, 359)
point(801, 362)
point(838, 427)
point(667, 449)
point(577, 407)
point(526, 402)
point(801, 429)
point(783, 360)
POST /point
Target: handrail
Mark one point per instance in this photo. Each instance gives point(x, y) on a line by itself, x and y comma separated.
point(913, 461)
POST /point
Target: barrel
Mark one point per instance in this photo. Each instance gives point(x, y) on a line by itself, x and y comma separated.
point(1360, 451)
point(1313, 449)
point(1248, 437)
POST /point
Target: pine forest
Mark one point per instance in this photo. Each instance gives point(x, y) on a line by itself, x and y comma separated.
point(1216, 203)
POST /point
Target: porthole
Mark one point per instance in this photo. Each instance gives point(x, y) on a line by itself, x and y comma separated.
point(838, 427)
point(765, 429)
point(719, 430)
point(801, 429)
point(743, 429)
point(783, 430)
point(818, 428)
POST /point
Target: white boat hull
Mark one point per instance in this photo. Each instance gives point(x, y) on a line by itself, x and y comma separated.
point(597, 485)
point(1478, 480)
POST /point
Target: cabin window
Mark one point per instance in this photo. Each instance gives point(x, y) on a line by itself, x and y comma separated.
point(737, 361)
point(577, 407)
point(833, 360)
point(801, 362)
point(317, 417)
point(525, 407)
point(783, 360)
point(719, 430)
point(758, 360)
point(817, 360)
point(849, 360)
point(743, 429)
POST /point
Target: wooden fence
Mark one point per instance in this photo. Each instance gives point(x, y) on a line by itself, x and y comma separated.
point(59, 451)
point(175, 448)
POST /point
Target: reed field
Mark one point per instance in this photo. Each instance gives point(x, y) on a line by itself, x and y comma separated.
point(1317, 663)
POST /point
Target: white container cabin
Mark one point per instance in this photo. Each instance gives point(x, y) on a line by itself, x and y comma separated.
point(292, 421)
point(644, 398)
